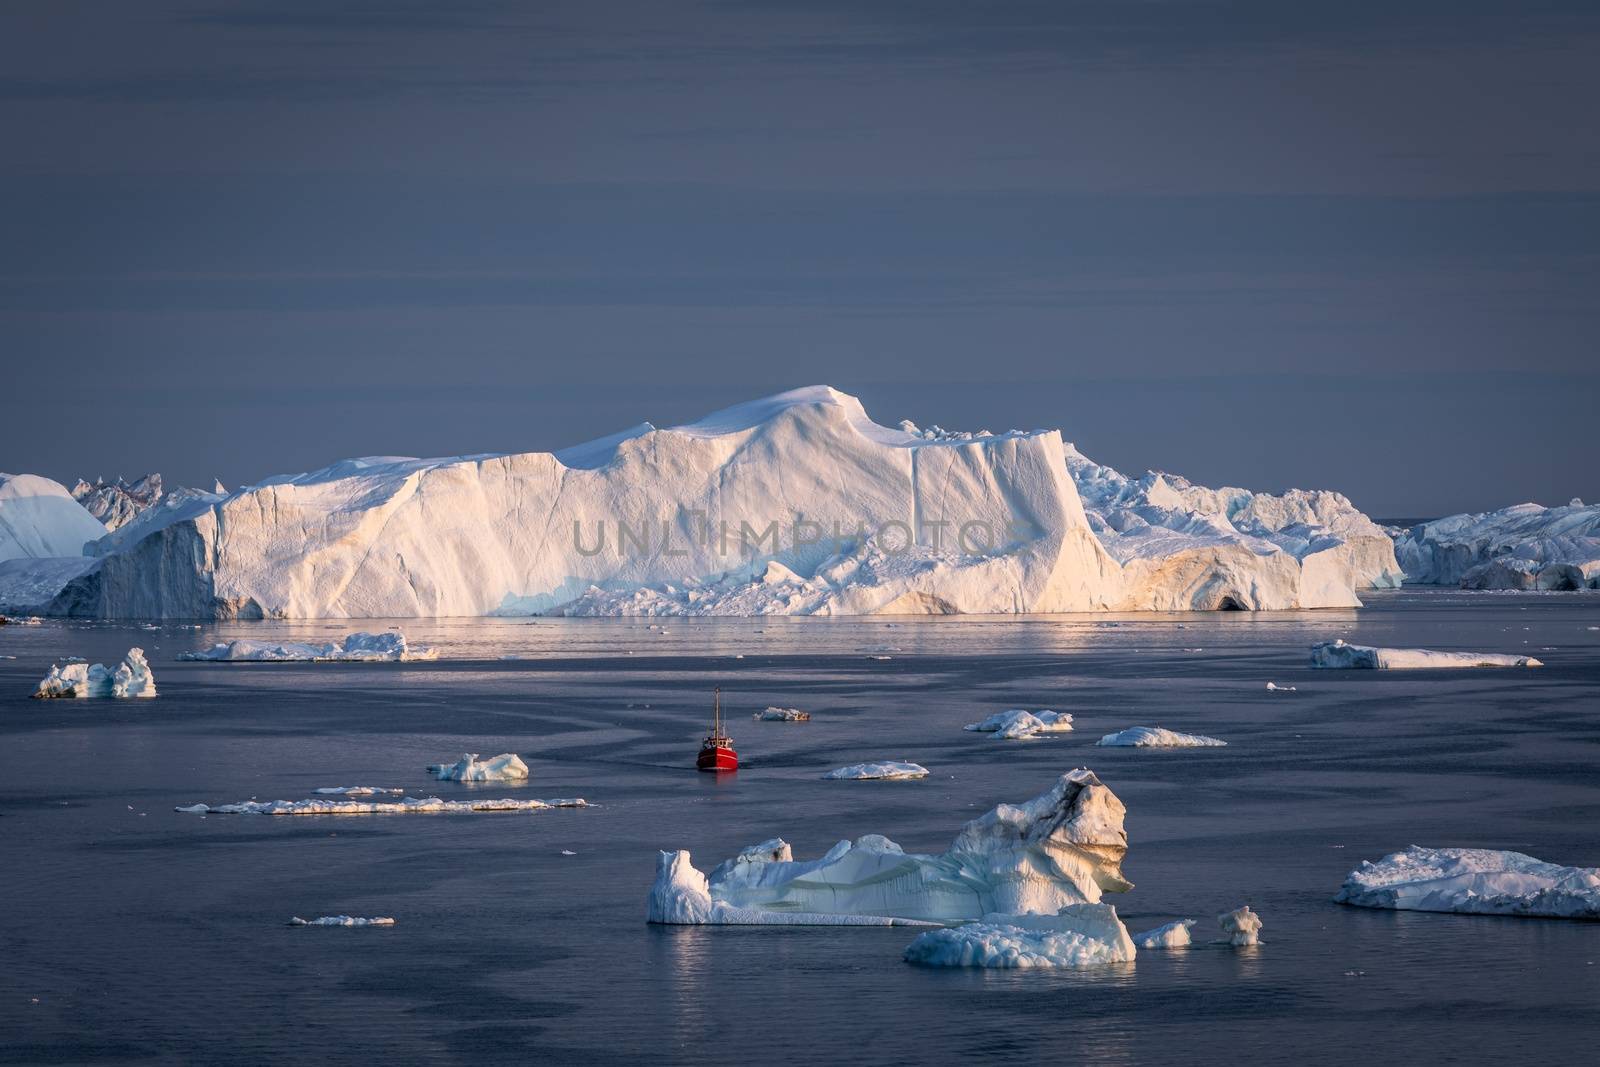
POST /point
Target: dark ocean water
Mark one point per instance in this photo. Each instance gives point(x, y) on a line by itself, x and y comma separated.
point(130, 933)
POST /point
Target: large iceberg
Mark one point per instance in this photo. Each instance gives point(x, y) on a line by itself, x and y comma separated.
point(117, 503)
point(388, 647)
point(1079, 935)
point(131, 678)
point(40, 520)
point(1337, 654)
point(1522, 547)
point(795, 504)
point(1063, 847)
point(1476, 881)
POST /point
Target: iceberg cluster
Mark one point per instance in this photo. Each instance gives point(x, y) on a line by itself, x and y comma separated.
point(506, 767)
point(1521, 547)
point(1079, 935)
point(403, 806)
point(1020, 725)
point(794, 504)
point(1063, 847)
point(1157, 737)
point(131, 678)
point(1474, 881)
point(388, 647)
point(887, 769)
point(1337, 654)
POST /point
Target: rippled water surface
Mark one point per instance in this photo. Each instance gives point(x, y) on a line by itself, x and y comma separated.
point(132, 933)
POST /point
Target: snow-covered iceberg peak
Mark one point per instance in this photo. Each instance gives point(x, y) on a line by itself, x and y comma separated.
point(1522, 547)
point(131, 678)
point(1477, 881)
point(1063, 847)
point(117, 503)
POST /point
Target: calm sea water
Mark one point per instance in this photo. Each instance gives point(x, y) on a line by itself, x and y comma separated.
point(130, 933)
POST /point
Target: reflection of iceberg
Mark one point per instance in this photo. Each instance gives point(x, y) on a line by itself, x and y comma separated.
point(1477, 881)
point(132, 678)
point(1080, 935)
point(1337, 654)
point(389, 647)
point(1063, 847)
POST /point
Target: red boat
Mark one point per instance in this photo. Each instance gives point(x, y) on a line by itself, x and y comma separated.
point(716, 753)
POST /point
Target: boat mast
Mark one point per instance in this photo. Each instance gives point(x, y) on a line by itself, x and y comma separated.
point(716, 712)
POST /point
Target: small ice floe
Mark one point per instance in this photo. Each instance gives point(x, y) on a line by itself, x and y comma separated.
point(1157, 737)
point(885, 769)
point(1079, 935)
point(1020, 725)
point(149, 626)
point(403, 806)
point(389, 647)
point(1241, 926)
point(568, 852)
point(1172, 935)
point(132, 678)
point(880, 657)
point(1337, 654)
point(1474, 881)
point(342, 920)
point(1062, 847)
point(354, 790)
point(1275, 688)
point(506, 767)
point(782, 715)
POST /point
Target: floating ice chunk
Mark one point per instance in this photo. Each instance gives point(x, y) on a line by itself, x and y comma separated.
point(342, 920)
point(354, 790)
point(886, 769)
point(1018, 724)
point(1157, 737)
point(1063, 847)
point(1172, 935)
point(1242, 926)
point(132, 678)
point(1079, 935)
point(782, 715)
point(1338, 654)
point(1273, 688)
point(506, 767)
point(390, 647)
point(403, 806)
point(1474, 881)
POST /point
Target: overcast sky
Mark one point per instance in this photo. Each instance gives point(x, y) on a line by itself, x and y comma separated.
point(1350, 245)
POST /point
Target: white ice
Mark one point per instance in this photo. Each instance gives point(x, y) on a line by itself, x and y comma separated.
point(885, 769)
point(131, 678)
point(342, 920)
point(1079, 935)
point(1522, 547)
point(1172, 935)
point(1241, 926)
point(1474, 881)
point(387, 647)
point(506, 767)
point(403, 806)
point(1337, 654)
point(782, 715)
point(1274, 688)
point(354, 790)
point(40, 520)
point(1019, 724)
point(1063, 847)
point(1157, 737)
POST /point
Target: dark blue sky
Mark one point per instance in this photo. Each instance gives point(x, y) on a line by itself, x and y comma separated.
point(1351, 245)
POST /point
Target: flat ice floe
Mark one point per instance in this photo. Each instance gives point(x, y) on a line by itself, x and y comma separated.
point(403, 806)
point(342, 920)
point(1337, 654)
point(1079, 935)
point(1241, 926)
point(782, 715)
point(506, 767)
point(1474, 881)
point(1157, 737)
point(389, 647)
point(885, 769)
point(132, 678)
point(1021, 725)
point(1172, 935)
point(1063, 847)
point(354, 790)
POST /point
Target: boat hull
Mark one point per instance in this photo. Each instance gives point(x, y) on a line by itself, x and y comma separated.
point(717, 759)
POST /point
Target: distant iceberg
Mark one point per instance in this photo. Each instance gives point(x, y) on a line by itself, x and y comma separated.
point(1079, 935)
point(1157, 737)
point(1063, 847)
point(131, 678)
point(403, 806)
point(342, 920)
point(1020, 725)
point(885, 769)
point(388, 647)
point(506, 767)
point(782, 715)
point(1474, 881)
point(1337, 654)
point(1521, 547)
